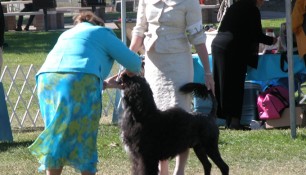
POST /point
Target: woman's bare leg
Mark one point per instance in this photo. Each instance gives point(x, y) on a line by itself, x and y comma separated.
point(59, 171)
point(181, 161)
point(54, 171)
point(163, 167)
point(87, 173)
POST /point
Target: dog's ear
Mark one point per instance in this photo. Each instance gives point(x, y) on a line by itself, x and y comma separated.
point(124, 80)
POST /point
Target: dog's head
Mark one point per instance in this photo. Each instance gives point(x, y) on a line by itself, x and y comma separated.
point(138, 95)
point(135, 85)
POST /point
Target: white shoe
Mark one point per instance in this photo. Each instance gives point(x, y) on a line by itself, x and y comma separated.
point(256, 125)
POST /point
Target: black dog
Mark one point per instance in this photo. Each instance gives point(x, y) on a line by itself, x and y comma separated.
point(152, 135)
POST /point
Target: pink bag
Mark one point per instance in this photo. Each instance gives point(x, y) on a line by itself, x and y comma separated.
point(272, 102)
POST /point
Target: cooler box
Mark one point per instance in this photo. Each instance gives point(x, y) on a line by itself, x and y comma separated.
point(284, 121)
point(249, 108)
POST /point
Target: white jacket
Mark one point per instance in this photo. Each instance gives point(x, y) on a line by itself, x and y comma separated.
point(170, 26)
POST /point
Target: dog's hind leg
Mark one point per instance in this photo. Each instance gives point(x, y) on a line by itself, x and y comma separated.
point(202, 156)
point(148, 166)
point(214, 153)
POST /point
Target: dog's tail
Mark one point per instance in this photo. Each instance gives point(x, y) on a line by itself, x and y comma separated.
point(200, 90)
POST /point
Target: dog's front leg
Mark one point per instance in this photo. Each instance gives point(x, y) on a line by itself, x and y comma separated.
point(136, 165)
point(214, 154)
point(202, 156)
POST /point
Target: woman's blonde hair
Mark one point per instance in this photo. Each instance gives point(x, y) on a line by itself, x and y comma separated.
point(87, 16)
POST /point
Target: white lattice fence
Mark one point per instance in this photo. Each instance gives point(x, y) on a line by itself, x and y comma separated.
point(21, 99)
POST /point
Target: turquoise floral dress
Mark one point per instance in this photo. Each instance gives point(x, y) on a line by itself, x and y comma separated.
point(71, 121)
point(69, 85)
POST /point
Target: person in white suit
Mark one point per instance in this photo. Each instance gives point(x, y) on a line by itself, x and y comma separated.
point(166, 29)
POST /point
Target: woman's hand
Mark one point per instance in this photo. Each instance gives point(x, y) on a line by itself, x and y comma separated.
point(112, 82)
point(209, 81)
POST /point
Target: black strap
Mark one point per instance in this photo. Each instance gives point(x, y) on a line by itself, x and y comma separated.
point(283, 60)
point(277, 94)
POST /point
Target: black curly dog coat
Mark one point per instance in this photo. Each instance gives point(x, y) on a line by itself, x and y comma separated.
point(152, 135)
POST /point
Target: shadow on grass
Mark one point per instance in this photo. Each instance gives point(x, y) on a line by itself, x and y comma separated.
point(4, 146)
point(30, 42)
point(34, 42)
point(27, 129)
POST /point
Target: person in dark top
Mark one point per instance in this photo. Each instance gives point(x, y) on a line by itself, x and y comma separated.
point(2, 26)
point(27, 8)
point(233, 49)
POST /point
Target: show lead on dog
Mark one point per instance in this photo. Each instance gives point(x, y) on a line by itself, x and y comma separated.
point(69, 86)
point(233, 49)
point(166, 29)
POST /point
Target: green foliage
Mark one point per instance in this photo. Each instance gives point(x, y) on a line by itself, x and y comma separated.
point(274, 24)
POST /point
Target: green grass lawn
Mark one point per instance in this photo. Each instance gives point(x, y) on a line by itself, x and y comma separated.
point(258, 152)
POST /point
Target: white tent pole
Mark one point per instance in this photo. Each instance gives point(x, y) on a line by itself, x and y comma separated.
point(123, 21)
point(290, 68)
point(118, 108)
